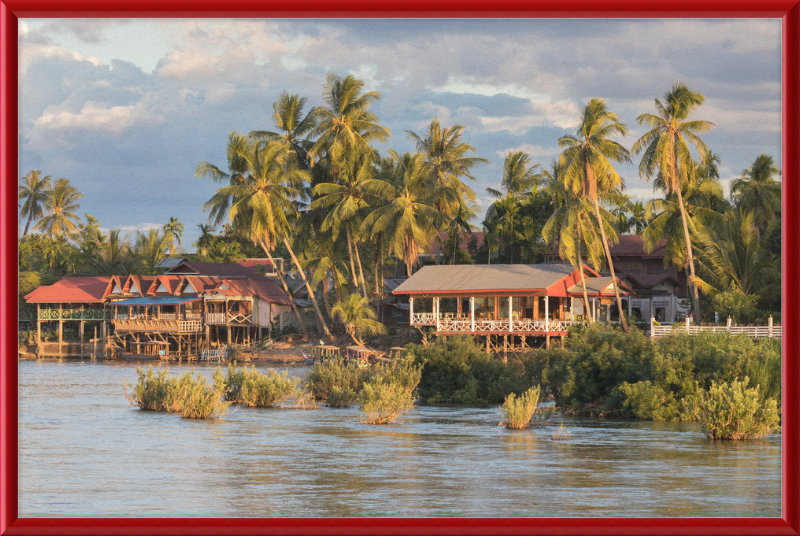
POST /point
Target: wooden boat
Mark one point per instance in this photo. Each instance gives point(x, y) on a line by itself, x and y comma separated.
point(318, 354)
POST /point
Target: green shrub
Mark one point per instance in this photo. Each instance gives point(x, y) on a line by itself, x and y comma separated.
point(201, 401)
point(251, 387)
point(341, 398)
point(456, 370)
point(185, 394)
point(732, 411)
point(518, 411)
point(389, 393)
point(645, 400)
point(336, 374)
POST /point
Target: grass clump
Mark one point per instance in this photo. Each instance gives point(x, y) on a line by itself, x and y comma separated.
point(390, 393)
point(185, 394)
point(337, 381)
point(341, 398)
point(250, 387)
point(733, 411)
point(561, 434)
point(519, 411)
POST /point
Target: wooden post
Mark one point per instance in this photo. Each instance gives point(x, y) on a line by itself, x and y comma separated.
point(472, 313)
point(536, 307)
point(547, 341)
point(38, 324)
point(410, 312)
point(81, 331)
point(729, 323)
point(436, 310)
point(94, 349)
point(561, 308)
point(652, 325)
point(671, 308)
point(496, 308)
point(60, 329)
point(487, 343)
point(770, 326)
point(510, 314)
point(208, 337)
point(688, 318)
point(630, 309)
point(505, 348)
point(547, 318)
point(229, 335)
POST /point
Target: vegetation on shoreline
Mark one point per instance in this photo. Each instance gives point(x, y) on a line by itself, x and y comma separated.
point(156, 390)
point(252, 388)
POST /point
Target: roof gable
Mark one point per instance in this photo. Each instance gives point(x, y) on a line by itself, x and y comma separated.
point(71, 290)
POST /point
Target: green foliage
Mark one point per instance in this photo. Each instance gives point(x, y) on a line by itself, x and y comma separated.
point(251, 387)
point(336, 378)
point(389, 393)
point(456, 370)
point(740, 307)
point(518, 411)
point(185, 394)
point(733, 411)
point(645, 400)
point(341, 398)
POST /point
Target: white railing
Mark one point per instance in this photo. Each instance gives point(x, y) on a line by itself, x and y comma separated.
point(524, 325)
point(423, 318)
point(240, 318)
point(215, 318)
point(190, 326)
point(756, 332)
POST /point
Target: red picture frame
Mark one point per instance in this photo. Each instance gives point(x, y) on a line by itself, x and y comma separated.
point(788, 10)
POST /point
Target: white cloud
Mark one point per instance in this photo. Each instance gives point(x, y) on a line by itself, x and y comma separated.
point(33, 52)
point(98, 117)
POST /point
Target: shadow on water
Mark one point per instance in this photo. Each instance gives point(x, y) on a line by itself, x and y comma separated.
point(84, 451)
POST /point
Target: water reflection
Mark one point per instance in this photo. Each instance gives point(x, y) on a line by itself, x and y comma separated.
point(84, 451)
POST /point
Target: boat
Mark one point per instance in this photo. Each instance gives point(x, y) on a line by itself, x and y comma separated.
point(321, 353)
point(358, 356)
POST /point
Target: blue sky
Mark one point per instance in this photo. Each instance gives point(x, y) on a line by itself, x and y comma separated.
point(126, 108)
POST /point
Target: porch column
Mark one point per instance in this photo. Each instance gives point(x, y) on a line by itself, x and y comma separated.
point(630, 308)
point(547, 317)
point(81, 330)
point(608, 313)
point(536, 307)
point(672, 308)
point(652, 310)
point(38, 324)
point(410, 312)
point(769, 324)
point(594, 309)
point(472, 313)
point(436, 310)
point(510, 314)
point(561, 308)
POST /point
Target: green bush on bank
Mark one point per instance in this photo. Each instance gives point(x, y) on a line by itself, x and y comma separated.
point(734, 411)
point(338, 378)
point(456, 370)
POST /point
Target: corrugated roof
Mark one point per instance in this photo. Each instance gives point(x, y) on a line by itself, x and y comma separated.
point(484, 277)
point(261, 288)
point(651, 280)
point(170, 262)
point(71, 290)
point(220, 269)
point(629, 246)
point(157, 300)
point(463, 240)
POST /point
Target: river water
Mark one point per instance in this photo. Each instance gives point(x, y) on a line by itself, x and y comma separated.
point(86, 452)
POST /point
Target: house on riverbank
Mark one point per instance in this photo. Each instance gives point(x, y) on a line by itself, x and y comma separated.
point(506, 306)
point(186, 311)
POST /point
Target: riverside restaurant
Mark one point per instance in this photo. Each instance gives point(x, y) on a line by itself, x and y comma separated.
point(507, 307)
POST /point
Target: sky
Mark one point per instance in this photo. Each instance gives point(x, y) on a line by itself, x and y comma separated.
point(126, 108)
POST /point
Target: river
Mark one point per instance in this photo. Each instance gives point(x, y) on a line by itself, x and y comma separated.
point(86, 452)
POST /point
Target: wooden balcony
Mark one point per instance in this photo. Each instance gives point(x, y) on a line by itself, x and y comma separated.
point(75, 314)
point(450, 324)
point(160, 325)
point(239, 319)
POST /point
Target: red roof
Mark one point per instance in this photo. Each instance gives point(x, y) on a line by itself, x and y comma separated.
point(463, 240)
point(252, 263)
point(71, 290)
point(261, 288)
point(629, 246)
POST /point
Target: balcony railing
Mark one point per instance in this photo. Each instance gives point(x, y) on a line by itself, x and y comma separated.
point(171, 326)
point(215, 318)
point(464, 325)
point(75, 314)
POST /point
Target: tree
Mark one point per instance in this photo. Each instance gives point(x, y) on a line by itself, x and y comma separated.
point(151, 248)
point(61, 201)
point(460, 221)
point(346, 121)
point(587, 169)
point(447, 164)
point(358, 318)
point(666, 150)
point(173, 231)
point(757, 191)
point(292, 125)
point(113, 255)
point(408, 220)
point(520, 175)
point(259, 201)
point(34, 193)
point(205, 239)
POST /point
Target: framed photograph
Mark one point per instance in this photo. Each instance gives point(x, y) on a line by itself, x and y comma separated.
point(141, 104)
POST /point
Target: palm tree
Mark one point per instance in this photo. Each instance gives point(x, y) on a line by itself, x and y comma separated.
point(152, 247)
point(757, 191)
point(666, 150)
point(292, 125)
point(587, 169)
point(447, 164)
point(733, 257)
point(221, 251)
point(259, 202)
point(356, 191)
point(61, 201)
point(113, 255)
point(519, 175)
point(358, 318)
point(173, 230)
point(35, 194)
point(638, 217)
point(346, 121)
point(408, 219)
point(205, 239)
point(460, 221)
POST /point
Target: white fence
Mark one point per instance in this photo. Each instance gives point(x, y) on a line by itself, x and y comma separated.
point(769, 331)
point(465, 325)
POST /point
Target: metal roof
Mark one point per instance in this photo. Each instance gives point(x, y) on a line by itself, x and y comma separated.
point(170, 262)
point(598, 285)
point(157, 301)
point(484, 277)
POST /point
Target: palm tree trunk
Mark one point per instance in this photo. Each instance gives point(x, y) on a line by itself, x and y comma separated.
point(308, 287)
point(28, 223)
point(610, 265)
point(326, 299)
point(689, 256)
point(586, 311)
point(354, 281)
point(378, 282)
point(360, 270)
point(286, 288)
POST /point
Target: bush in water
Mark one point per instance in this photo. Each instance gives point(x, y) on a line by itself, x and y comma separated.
point(251, 387)
point(732, 411)
point(202, 401)
point(389, 393)
point(185, 394)
point(341, 398)
point(519, 411)
point(336, 375)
